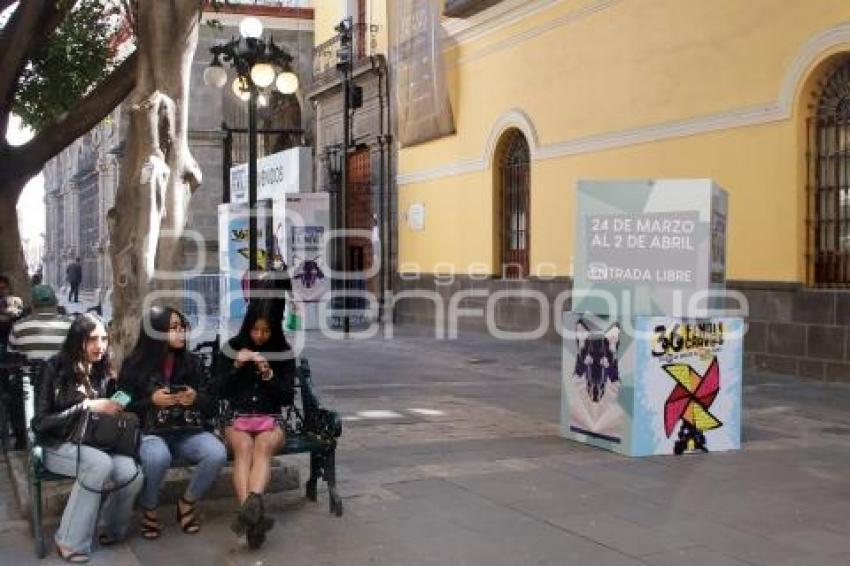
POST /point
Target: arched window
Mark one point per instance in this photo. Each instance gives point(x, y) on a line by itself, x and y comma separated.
point(513, 203)
point(829, 182)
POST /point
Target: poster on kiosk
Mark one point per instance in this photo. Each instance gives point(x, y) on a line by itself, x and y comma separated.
point(651, 365)
point(302, 227)
point(298, 225)
point(233, 252)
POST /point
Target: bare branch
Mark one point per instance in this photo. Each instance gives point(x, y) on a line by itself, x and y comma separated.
point(31, 157)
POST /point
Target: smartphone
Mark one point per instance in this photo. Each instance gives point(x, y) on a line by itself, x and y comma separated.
point(177, 389)
point(121, 398)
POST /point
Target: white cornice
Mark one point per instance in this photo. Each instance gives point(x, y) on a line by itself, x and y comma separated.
point(494, 18)
point(808, 55)
point(782, 109)
point(507, 13)
point(600, 142)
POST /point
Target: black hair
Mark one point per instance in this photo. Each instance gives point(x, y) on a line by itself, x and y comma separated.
point(268, 311)
point(152, 347)
point(72, 355)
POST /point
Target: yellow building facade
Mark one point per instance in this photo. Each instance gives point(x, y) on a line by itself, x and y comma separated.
point(629, 89)
point(606, 89)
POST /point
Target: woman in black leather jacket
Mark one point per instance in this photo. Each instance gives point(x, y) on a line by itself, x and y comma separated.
point(73, 382)
point(256, 373)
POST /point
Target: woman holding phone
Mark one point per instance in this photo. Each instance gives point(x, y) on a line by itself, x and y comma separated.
point(163, 380)
point(256, 373)
point(72, 382)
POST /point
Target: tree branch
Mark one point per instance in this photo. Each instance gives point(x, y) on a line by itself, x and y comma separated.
point(30, 26)
point(28, 159)
point(22, 26)
point(56, 14)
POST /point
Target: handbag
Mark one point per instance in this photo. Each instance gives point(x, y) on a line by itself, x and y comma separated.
point(254, 423)
point(116, 434)
point(162, 420)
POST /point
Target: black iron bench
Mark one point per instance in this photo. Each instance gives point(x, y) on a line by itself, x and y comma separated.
point(310, 428)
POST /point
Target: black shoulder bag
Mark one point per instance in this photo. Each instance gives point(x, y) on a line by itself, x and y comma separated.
point(113, 434)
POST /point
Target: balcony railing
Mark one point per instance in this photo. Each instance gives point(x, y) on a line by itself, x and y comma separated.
point(326, 55)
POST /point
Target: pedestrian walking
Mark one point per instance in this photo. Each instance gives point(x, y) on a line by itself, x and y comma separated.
point(74, 275)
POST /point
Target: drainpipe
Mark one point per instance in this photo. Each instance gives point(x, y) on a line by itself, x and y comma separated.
point(391, 216)
point(382, 212)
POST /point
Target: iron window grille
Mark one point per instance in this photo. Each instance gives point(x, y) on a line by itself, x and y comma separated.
point(514, 176)
point(828, 186)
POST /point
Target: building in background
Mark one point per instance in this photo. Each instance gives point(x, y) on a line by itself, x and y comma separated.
point(81, 182)
point(370, 183)
point(547, 92)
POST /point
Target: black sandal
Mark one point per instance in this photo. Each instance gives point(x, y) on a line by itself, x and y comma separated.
point(72, 558)
point(188, 521)
point(150, 525)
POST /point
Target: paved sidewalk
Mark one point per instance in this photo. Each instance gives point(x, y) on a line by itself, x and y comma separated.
point(450, 455)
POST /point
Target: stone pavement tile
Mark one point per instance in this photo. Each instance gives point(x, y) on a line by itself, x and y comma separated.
point(631, 475)
point(604, 529)
point(841, 560)
point(509, 487)
point(555, 495)
point(613, 532)
point(692, 556)
point(470, 530)
point(815, 541)
point(732, 542)
point(761, 514)
point(364, 460)
point(16, 549)
point(121, 555)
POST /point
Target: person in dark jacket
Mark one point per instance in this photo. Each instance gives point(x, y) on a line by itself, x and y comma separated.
point(74, 275)
point(256, 379)
point(73, 382)
point(162, 377)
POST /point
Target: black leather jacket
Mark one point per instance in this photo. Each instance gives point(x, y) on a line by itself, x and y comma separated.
point(247, 393)
point(141, 387)
point(60, 404)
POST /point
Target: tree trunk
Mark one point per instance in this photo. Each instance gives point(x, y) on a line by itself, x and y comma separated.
point(158, 173)
point(12, 262)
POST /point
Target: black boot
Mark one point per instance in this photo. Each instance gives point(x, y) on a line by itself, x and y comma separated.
point(249, 514)
point(256, 530)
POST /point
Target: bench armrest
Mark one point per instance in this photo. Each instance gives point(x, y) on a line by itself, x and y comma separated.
point(36, 452)
point(318, 420)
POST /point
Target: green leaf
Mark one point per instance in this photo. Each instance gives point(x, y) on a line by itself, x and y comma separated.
point(68, 65)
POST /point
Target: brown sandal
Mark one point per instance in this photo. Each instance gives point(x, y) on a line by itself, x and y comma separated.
point(187, 520)
point(150, 525)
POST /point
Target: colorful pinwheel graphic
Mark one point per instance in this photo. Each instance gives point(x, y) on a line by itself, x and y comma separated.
point(692, 397)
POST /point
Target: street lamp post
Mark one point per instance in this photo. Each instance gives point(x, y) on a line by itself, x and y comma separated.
point(345, 66)
point(258, 63)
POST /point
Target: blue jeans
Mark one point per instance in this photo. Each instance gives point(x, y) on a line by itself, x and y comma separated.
point(98, 471)
point(200, 448)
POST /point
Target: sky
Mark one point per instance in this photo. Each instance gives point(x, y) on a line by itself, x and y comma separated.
point(32, 199)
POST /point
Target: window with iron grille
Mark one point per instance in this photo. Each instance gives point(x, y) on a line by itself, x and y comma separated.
point(513, 191)
point(829, 183)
